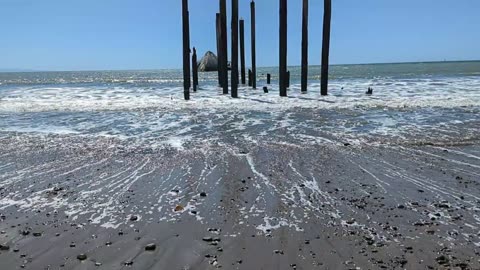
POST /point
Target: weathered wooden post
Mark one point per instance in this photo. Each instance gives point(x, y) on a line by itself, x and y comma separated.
point(195, 69)
point(219, 49)
point(283, 48)
point(253, 41)
point(234, 73)
point(186, 50)
point(268, 78)
point(242, 50)
point(305, 46)
point(250, 77)
point(224, 45)
point(288, 79)
point(327, 18)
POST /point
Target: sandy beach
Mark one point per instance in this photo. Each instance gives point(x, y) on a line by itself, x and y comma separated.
point(237, 205)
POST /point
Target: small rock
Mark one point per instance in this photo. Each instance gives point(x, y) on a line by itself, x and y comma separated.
point(203, 194)
point(82, 257)
point(133, 218)
point(72, 245)
point(128, 263)
point(37, 234)
point(98, 264)
point(278, 251)
point(4, 247)
point(150, 247)
point(207, 239)
point(179, 208)
point(442, 260)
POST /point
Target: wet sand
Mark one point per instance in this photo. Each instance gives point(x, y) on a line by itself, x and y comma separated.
point(237, 205)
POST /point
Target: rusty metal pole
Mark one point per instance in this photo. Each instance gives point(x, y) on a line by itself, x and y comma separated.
point(305, 46)
point(242, 51)
point(327, 18)
point(186, 50)
point(283, 48)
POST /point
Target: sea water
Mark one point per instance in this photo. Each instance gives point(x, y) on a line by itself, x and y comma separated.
point(411, 103)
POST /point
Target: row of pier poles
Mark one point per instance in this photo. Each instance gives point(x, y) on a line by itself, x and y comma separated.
point(304, 47)
point(242, 50)
point(283, 49)
point(186, 50)
point(253, 41)
point(234, 71)
point(195, 70)
point(223, 63)
point(327, 17)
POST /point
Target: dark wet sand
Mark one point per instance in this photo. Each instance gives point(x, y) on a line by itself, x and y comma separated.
point(329, 206)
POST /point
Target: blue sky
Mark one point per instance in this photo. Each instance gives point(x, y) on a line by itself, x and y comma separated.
point(146, 34)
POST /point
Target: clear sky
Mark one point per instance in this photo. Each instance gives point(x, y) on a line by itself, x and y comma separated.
point(146, 34)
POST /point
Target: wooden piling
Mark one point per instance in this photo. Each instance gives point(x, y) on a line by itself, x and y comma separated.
point(186, 49)
point(224, 45)
point(327, 18)
point(268, 78)
point(250, 77)
point(288, 79)
point(305, 47)
point(242, 50)
point(218, 24)
point(253, 41)
point(234, 61)
point(195, 69)
point(283, 48)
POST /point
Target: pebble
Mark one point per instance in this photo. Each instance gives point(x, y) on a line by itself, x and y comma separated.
point(133, 218)
point(150, 247)
point(207, 239)
point(442, 260)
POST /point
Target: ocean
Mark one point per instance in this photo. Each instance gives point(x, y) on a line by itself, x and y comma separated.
point(412, 102)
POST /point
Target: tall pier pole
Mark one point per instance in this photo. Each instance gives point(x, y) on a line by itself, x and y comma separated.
point(234, 74)
point(242, 50)
point(195, 70)
point(224, 45)
point(218, 25)
point(305, 46)
point(254, 53)
point(283, 48)
point(327, 18)
point(186, 49)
